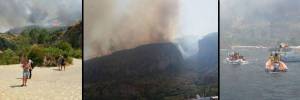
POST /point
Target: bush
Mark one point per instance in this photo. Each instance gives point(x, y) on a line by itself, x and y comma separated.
point(9, 57)
point(77, 53)
point(64, 46)
point(53, 52)
point(36, 54)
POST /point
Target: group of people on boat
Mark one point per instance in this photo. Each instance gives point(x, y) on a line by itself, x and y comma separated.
point(273, 64)
point(236, 56)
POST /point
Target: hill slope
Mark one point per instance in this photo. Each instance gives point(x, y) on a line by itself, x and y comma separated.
point(153, 72)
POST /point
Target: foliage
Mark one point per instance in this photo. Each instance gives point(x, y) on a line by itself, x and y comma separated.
point(8, 57)
point(36, 55)
point(38, 43)
point(77, 53)
point(4, 44)
point(64, 46)
point(74, 35)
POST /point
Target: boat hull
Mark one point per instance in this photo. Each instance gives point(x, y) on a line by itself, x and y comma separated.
point(276, 67)
point(238, 61)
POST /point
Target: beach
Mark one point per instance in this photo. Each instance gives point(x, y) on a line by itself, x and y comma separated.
point(47, 83)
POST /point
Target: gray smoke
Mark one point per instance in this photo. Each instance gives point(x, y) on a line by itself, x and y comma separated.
point(112, 25)
point(18, 13)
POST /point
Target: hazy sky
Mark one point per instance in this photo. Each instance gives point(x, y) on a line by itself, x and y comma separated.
point(18, 13)
point(198, 17)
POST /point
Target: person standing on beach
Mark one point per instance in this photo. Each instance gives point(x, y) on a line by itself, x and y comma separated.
point(30, 62)
point(60, 62)
point(26, 66)
point(63, 64)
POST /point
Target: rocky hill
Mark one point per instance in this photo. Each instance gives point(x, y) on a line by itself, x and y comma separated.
point(153, 72)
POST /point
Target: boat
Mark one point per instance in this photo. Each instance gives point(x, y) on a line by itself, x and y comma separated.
point(237, 61)
point(276, 66)
point(235, 58)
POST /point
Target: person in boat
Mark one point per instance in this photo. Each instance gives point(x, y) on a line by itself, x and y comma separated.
point(273, 59)
point(231, 56)
point(283, 46)
point(242, 57)
point(235, 56)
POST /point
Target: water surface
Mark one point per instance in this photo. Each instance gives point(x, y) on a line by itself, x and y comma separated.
point(251, 82)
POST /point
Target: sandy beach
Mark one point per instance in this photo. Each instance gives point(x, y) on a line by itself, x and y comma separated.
point(46, 83)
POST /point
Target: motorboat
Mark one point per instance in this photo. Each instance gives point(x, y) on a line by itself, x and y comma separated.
point(236, 61)
point(236, 58)
point(276, 66)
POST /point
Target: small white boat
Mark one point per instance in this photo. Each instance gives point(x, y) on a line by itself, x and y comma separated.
point(238, 61)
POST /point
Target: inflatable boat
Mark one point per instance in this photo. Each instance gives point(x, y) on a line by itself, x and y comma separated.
point(276, 66)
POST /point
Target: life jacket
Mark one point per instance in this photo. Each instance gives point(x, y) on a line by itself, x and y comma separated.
point(276, 58)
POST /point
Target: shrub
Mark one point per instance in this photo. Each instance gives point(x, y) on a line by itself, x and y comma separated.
point(36, 54)
point(9, 57)
point(53, 52)
point(64, 46)
point(77, 53)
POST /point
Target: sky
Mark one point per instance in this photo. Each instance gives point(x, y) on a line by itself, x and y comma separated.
point(198, 17)
point(19, 13)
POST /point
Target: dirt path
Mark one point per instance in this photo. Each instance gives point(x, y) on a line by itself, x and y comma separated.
point(46, 83)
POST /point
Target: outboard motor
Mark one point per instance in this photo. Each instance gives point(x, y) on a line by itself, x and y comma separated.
point(276, 67)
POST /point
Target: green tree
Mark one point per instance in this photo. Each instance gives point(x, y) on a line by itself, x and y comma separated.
point(36, 54)
point(65, 46)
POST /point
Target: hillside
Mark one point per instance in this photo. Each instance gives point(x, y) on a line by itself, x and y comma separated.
point(153, 71)
point(206, 60)
point(73, 35)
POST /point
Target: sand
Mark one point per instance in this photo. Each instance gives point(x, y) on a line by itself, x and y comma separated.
point(46, 83)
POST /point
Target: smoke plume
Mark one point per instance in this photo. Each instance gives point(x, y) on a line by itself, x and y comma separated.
point(19, 13)
point(112, 25)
